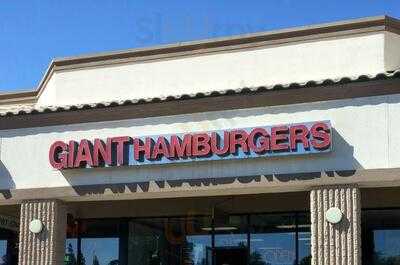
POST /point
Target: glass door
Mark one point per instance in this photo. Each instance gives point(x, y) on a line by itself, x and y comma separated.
point(231, 244)
point(169, 241)
point(8, 247)
point(381, 237)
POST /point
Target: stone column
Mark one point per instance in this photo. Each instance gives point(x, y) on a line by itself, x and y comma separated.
point(48, 246)
point(336, 244)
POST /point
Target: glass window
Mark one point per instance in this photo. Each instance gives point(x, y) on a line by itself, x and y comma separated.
point(99, 240)
point(71, 243)
point(71, 251)
point(259, 239)
point(3, 252)
point(8, 247)
point(381, 237)
point(169, 241)
point(232, 232)
point(198, 241)
point(304, 239)
point(231, 245)
point(273, 239)
point(146, 245)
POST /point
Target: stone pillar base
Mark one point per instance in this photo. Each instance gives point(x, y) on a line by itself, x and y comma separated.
point(336, 244)
point(48, 246)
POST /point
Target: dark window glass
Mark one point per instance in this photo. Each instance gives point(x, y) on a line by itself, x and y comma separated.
point(231, 246)
point(273, 239)
point(71, 243)
point(100, 250)
point(198, 241)
point(304, 239)
point(169, 241)
point(381, 237)
point(71, 251)
point(100, 242)
point(8, 247)
point(259, 239)
point(232, 233)
point(3, 252)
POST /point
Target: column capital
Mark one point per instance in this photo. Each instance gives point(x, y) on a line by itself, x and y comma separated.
point(335, 186)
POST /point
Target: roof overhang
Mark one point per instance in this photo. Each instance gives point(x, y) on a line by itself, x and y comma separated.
point(363, 86)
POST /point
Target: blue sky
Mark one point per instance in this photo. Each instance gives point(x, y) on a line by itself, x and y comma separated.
point(33, 32)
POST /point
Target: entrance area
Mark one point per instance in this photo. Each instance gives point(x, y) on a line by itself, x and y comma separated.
point(258, 229)
point(247, 239)
point(238, 231)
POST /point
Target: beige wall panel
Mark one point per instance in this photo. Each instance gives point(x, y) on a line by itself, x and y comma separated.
point(334, 57)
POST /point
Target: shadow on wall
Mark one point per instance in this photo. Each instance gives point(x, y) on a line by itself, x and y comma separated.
point(121, 188)
point(6, 182)
point(160, 177)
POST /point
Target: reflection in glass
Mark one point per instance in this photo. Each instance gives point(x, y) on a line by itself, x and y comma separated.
point(99, 242)
point(387, 246)
point(273, 240)
point(100, 251)
point(231, 241)
point(304, 248)
point(8, 247)
point(71, 251)
point(304, 239)
point(198, 241)
point(165, 241)
point(259, 239)
point(3, 252)
point(145, 244)
point(381, 237)
point(232, 232)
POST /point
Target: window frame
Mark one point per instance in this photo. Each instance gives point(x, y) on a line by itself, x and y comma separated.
point(123, 234)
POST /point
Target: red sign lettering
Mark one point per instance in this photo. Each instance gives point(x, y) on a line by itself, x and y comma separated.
point(314, 137)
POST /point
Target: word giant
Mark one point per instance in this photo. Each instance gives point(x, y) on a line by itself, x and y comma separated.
point(305, 138)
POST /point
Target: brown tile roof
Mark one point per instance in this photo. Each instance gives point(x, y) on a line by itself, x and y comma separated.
point(28, 109)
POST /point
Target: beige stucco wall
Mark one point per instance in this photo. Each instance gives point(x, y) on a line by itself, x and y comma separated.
point(365, 139)
point(350, 55)
point(392, 51)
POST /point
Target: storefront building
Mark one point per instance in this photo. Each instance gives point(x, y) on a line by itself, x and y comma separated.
point(274, 148)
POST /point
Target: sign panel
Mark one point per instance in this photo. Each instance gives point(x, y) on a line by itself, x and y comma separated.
point(266, 141)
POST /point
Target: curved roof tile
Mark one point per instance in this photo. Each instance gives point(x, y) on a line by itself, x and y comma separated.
point(244, 90)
